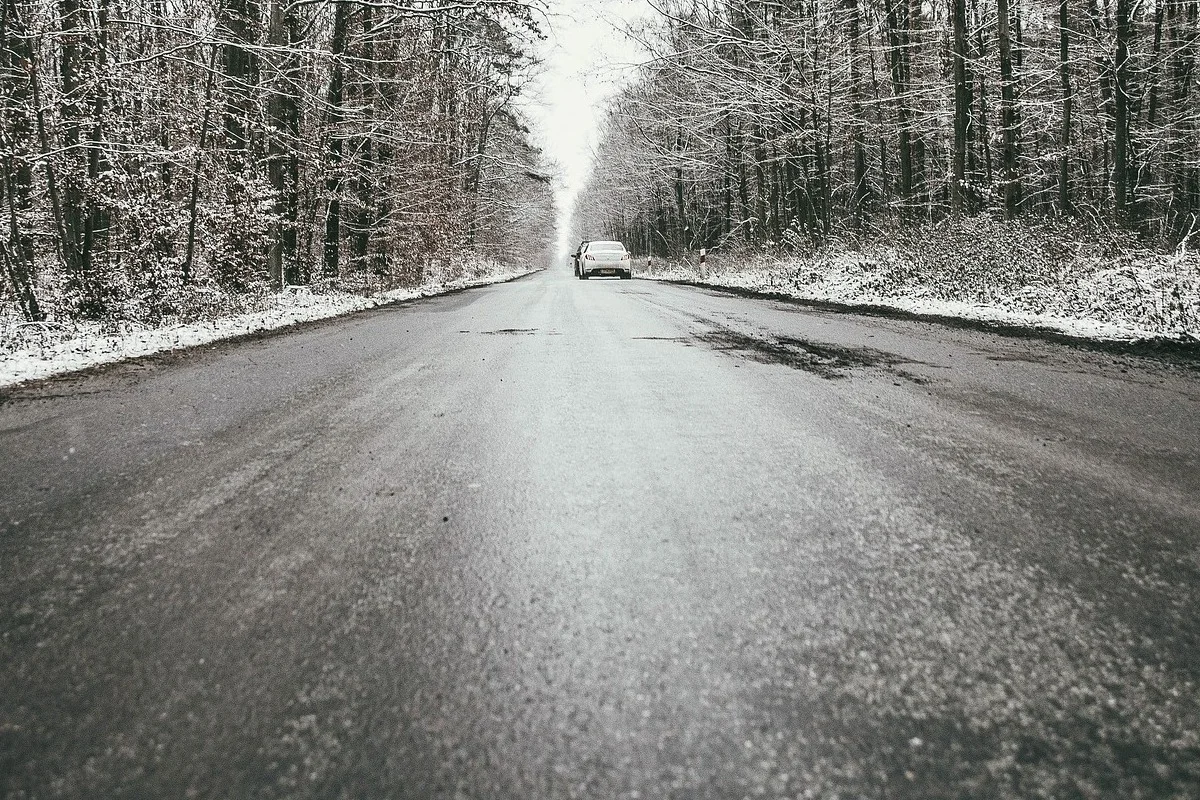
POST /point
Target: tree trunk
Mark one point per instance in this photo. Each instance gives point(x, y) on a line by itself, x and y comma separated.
point(73, 212)
point(194, 194)
point(1185, 118)
point(680, 206)
point(962, 105)
point(982, 135)
point(1155, 65)
point(1122, 169)
point(858, 190)
point(475, 175)
point(1064, 77)
point(365, 224)
point(759, 154)
point(899, 15)
point(1009, 123)
point(240, 67)
point(727, 178)
point(333, 157)
point(97, 219)
point(16, 141)
point(283, 125)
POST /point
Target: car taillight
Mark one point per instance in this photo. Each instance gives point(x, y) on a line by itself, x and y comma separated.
point(626, 257)
point(589, 257)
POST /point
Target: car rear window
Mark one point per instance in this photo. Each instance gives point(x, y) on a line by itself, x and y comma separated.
point(607, 246)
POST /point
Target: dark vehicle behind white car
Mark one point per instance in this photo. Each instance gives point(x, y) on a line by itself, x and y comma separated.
point(605, 258)
point(577, 256)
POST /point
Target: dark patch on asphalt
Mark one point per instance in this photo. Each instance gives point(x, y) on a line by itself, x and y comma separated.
point(662, 338)
point(824, 360)
point(511, 331)
point(99, 378)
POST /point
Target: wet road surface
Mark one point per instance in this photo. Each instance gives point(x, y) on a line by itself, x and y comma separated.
point(604, 539)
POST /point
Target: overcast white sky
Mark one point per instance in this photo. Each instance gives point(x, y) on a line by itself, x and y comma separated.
point(587, 56)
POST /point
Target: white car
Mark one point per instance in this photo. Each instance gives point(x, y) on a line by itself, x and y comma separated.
point(605, 258)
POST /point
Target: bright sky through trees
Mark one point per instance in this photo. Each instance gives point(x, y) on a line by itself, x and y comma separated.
point(588, 55)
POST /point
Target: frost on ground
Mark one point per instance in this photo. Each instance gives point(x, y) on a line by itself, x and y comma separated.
point(984, 270)
point(33, 350)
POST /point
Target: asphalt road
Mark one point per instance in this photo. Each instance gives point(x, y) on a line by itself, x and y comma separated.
point(604, 539)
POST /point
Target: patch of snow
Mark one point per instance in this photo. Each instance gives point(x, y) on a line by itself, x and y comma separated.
point(34, 350)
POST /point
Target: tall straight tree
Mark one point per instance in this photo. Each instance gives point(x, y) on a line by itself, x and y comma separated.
point(364, 145)
point(857, 135)
point(1064, 77)
point(75, 52)
point(962, 104)
point(239, 63)
point(1184, 154)
point(1123, 194)
point(283, 119)
point(17, 145)
point(1009, 114)
point(899, 19)
point(333, 160)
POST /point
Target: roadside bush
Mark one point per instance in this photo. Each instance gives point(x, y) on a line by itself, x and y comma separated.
point(1053, 266)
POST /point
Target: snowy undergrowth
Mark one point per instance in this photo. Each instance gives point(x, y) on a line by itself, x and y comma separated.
point(34, 350)
point(988, 271)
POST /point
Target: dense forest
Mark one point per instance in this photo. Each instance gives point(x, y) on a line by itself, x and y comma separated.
point(768, 123)
point(160, 155)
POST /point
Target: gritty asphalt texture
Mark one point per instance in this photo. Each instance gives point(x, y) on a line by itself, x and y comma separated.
point(604, 539)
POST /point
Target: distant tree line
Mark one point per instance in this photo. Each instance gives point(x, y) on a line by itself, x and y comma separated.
point(760, 122)
point(150, 147)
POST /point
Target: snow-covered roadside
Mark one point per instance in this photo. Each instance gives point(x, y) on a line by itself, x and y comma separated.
point(31, 351)
point(1126, 303)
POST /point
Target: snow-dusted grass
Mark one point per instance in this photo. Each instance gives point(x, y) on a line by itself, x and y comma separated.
point(34, 350)
point(985, 274)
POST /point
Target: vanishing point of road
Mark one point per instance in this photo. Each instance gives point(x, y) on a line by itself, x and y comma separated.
point(604, 539)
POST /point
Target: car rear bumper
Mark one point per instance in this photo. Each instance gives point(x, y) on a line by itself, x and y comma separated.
point(606, 270)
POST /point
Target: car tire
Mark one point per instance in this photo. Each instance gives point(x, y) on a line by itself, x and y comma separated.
point(582, 275)
point(625, 276)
